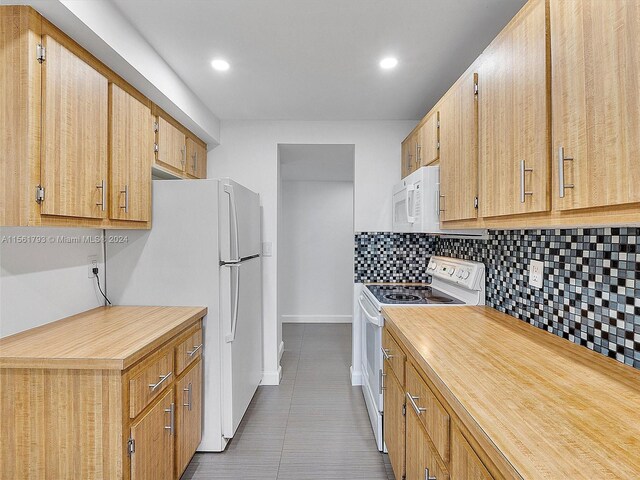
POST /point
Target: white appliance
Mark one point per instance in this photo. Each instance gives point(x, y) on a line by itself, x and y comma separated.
point(416, 205)
point(454, 283)
point(203, 249)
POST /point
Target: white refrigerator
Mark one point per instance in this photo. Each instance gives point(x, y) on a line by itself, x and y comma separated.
point(203, 249)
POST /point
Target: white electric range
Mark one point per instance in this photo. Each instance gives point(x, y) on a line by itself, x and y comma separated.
point(454, 282)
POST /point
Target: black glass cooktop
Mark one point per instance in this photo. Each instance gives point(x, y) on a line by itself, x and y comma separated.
point(399, 294)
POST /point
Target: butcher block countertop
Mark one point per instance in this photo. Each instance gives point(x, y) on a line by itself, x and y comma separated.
point(110, 338)
point(552, 408)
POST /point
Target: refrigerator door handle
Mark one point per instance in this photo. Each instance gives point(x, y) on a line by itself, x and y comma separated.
point(236, 298)
point(234, 219)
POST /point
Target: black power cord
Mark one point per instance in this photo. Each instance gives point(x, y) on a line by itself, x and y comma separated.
point(95, 272)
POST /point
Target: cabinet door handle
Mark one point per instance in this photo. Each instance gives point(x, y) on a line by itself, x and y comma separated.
point(188, 391)
point(172, 418)
point(183, 156)
point(154, 386)
point(386, 354)
point(418, 154)
point(103, 189)
point(195, 162)
point(427, 476)
point(126, 198)
point(561, 160)
point(523, 192)
point(195, 349)
point(414, 405)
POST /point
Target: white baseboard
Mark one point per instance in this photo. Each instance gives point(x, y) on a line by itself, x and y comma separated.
point(280, 351)
point(356, 377)
point(272, 378)
point(317, 318)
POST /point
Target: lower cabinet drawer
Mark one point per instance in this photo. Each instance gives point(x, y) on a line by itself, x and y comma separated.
point(422, 460)
point(154, 375)
point(188, 350)
point(394, 355)
point(430, 412)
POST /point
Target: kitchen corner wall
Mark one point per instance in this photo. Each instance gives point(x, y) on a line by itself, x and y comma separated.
point(44, 275)
point(591, 290)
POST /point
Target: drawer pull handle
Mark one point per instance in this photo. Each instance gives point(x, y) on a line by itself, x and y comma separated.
point(172, 418)
point(195, 349)
point(415, 406)
point(188, 391)
point(427, 476)
point(381, 382)
point(154, 386)
point(386, 354)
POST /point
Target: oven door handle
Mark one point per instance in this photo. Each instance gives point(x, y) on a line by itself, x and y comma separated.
point(375, 319)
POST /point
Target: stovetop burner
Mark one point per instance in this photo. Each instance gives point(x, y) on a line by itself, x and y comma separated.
point(402, 297)
point(399, 294)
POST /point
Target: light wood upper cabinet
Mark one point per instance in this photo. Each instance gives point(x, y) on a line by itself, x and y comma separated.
point(465, 463)
point(153, 435)
point(74, 135)
point(408, 155)
point(427, 141)
point(459, 150)
point(393, 421)
point(188, 416)
point(514, 117)
point(171, 145)
point(595, 52)
point(196, 165)
point(131, 156)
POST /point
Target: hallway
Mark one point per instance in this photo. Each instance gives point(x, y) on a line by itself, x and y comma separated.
point(313, 426)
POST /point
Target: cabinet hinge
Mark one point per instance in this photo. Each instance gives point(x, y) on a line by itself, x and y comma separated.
point(438, 145)
point(156, 127)
point(404, 409)
point(155, 147)
point(438, 124)
point(475, 89)
point(131, 446)
point(475, 202)
point(40, 52)
point(39, 194)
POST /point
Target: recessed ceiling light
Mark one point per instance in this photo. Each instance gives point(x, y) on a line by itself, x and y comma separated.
point(220, 65)
point(389, 62)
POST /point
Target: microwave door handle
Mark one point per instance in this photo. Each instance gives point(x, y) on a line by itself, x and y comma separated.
point(234, 219)
point(410, 218)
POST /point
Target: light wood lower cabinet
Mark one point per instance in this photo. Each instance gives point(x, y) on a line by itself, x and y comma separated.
point(419, 428)
point(153, 436)
point(465, 463)
point(188, 416)
point(393, 421)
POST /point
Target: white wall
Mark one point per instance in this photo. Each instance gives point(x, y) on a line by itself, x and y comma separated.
point(249, 154)
point(43, 282)
point(316, 251)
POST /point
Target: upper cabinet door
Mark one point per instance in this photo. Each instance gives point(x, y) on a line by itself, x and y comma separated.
point(514, 120)
point(74, 135)
point(408, 154)
point(171, 146)
point(131, 148)
point(459, 151)
point(427, 142)
point(595, 51)
point(196, 159)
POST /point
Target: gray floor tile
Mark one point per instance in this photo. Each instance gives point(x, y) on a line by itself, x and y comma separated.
point(313, 426)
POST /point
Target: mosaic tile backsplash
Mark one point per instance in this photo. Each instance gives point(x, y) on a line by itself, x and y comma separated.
point(591, 291)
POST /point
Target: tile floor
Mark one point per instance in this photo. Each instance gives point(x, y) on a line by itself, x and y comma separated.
point(312, 426)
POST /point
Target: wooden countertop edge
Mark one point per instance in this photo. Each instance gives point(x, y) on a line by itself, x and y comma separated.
point(97, 363)
point(501, 462)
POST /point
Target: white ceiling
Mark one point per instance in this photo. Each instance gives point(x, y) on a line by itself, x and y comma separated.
point(318, 59)
point(317, 163)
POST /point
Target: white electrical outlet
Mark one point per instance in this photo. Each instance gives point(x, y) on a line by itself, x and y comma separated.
point(536, 273)
point(92, 260)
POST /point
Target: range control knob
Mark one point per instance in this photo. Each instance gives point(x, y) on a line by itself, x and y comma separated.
point(452, 271)
point(465, 274)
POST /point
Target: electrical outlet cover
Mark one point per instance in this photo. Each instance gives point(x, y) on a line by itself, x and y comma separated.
point(536, 273)
point(92, 261)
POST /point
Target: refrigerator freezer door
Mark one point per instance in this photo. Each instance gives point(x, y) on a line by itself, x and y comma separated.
point(240, 236)
point(241, 317)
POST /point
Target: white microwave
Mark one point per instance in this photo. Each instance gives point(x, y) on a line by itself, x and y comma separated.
point(416, 205)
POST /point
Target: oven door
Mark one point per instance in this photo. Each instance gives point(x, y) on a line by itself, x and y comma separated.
point(372, 322)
